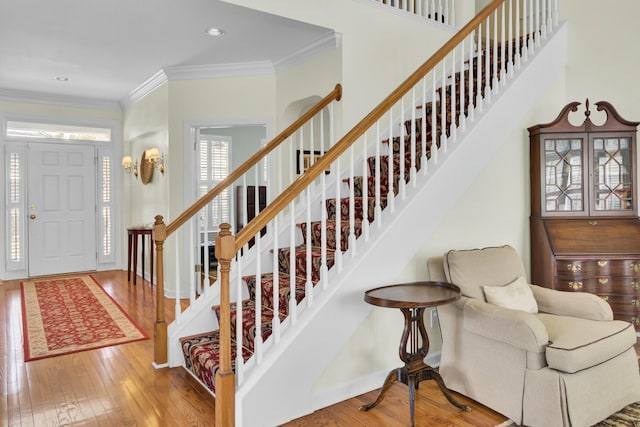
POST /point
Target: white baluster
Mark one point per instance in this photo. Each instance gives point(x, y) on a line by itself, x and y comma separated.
point(461, 97)
point(309, 249)
point(412, 139)
point(443, 107)
point(338, 252)
point(532, 30)
point(238, 325)
point(479, 85)
point(258, 301)
point(487, 63)
point(434, 119)
point(365, 190)
point(378, 209)
point(401, 153)
point(453, 132)
point(495, 86)
point(538, 24)
point(390, 181)
point(446, 14)
point(470, 108)
point(351, 238)
point(544, 19)
point(423, 127)
point(324, 270)
point(276, 325)
point(518, 36)
point(293, 312)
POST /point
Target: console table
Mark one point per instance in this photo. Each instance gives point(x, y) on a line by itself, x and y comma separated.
point(412, 299)
point(132, 251)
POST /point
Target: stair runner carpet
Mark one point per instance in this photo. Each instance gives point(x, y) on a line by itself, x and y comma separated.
point(201, 352)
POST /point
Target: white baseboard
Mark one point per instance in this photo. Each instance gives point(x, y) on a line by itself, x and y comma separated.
point(358, 386)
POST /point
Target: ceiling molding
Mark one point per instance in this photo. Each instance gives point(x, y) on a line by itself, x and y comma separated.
point(58, 100)
point(332, 40)
point(195, 72)
point(149, 85)
point(329, 41)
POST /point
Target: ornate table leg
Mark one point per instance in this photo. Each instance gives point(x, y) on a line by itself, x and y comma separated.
point(414, 347)
point(388, 382)
point(438, 379)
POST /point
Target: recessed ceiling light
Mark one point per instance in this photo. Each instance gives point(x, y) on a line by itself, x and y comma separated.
point(215, 32)
point(62, 79)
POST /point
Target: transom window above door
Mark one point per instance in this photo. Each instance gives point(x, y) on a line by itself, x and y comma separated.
point(20, 129)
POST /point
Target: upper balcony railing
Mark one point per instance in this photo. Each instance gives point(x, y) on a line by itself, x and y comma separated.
point(442, 11)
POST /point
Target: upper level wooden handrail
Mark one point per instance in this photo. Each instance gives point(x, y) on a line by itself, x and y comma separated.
point(324, 162)
point(335, 94)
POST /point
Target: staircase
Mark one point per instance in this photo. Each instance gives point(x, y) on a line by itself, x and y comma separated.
point(397, 185)
point(201, 351)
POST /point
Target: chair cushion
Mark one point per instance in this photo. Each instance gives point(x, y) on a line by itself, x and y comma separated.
point(515, 296)
point(472, 269)
point(576, 344)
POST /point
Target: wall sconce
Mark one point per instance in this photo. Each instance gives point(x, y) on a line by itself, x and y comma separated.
point(150, 160)
point(154, 156)
point(127, 164)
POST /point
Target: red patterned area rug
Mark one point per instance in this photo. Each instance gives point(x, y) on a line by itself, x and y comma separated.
point(70, 314)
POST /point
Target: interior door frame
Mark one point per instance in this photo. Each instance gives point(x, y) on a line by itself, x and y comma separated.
point(190, 163)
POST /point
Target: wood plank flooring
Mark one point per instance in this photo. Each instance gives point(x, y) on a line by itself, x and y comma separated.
point(117, 386)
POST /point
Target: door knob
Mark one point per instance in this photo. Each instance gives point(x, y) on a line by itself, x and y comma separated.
point(32, 216)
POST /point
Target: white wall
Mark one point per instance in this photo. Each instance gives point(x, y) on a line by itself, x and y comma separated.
point(380, 48)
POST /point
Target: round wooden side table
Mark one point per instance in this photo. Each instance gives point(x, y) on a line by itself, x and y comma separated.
point(412, 299)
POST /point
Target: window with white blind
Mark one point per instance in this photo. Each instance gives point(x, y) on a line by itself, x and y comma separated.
point(106, 206)
point(214, 162)
point(15, 207)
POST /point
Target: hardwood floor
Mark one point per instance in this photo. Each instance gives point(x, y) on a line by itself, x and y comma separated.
point(117, 386)
point(113, 386)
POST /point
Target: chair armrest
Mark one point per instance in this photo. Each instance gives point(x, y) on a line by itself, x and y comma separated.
point(515, 327)
point(574, 304)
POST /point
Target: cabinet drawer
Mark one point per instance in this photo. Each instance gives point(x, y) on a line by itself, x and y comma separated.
point(623, 304)
point(600, 285)
point(569, 268)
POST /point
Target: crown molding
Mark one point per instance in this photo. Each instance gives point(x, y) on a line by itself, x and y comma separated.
point(58, 100)
point(148, 86)
point(196, 72)
point(329, 41)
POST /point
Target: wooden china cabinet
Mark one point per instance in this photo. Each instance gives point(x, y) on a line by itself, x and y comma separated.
point(585, 231)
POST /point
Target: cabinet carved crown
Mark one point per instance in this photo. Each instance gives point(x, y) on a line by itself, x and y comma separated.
point(584, 170)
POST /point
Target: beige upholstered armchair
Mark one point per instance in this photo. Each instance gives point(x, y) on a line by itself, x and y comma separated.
point(557, 359)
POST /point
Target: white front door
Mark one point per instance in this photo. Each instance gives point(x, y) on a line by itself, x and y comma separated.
point(61, 209)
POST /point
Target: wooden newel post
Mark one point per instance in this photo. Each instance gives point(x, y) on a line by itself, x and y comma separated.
point(225, 381)
point(160, 332)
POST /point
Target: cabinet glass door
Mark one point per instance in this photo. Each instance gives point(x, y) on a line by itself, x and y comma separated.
point(612, 189)
point(564, 180)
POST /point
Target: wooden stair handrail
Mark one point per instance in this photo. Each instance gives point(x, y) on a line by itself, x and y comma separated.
point(335, 94)
point(324, 162)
